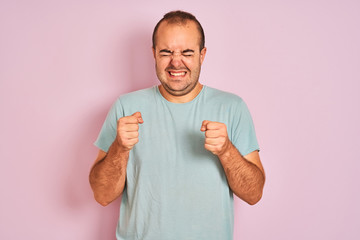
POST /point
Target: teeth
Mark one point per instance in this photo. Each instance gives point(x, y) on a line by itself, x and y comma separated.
point(177, 74)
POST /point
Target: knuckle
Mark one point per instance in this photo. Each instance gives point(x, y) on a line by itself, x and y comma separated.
point(121, 125)
point(122, 120)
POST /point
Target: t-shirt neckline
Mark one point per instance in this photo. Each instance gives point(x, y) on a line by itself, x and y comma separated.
point(179, 104)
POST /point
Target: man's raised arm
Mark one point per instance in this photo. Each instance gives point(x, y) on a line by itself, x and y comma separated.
point(245, 174)
point(108, 174)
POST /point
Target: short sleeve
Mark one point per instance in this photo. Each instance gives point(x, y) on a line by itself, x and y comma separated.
point(107, 133)
point(243, 131)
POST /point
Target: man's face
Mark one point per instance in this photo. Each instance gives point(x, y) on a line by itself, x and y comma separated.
point(178, 57)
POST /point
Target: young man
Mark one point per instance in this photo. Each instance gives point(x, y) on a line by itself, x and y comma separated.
point(176, 152)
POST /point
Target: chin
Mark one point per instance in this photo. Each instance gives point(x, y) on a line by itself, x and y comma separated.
point(179, 90)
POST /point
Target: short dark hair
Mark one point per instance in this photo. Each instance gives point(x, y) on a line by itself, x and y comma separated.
point(180, 17)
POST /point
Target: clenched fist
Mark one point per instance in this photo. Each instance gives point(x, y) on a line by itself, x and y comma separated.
point(128, 131)
point(216, 137)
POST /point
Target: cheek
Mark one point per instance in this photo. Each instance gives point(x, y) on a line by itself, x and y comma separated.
point(190, 65)
point(192, 62)
point(162, 64)
point(186, 62)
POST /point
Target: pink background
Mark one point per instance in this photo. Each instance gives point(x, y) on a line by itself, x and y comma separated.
point(296, 64)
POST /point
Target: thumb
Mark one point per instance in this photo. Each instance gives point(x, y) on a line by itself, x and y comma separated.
point(138, 117)
point(204, 125)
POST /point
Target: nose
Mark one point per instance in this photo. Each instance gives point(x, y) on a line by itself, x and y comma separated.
point(176, 60)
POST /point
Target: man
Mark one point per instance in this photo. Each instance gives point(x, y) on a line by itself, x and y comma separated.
point(178, 151)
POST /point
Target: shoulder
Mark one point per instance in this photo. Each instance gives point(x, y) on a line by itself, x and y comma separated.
point(214, 95)
point(137, 97)
point(146, 92)
point(138, 101)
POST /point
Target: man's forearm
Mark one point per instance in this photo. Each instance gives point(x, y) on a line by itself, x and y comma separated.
point(107, 177)
point(245, 179)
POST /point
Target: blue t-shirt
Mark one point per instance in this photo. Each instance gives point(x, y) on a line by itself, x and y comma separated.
point(175, 188)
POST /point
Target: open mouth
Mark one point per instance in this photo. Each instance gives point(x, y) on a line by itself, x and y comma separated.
point(177, 74)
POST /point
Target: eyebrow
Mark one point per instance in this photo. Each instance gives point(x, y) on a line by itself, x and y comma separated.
point(165, 51)
point(168, 51)
point(188, 50)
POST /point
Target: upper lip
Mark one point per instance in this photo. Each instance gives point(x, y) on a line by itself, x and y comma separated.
point(177, 70)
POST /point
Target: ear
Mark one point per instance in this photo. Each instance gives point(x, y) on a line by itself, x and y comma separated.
point(202, 54)
point(153, 50)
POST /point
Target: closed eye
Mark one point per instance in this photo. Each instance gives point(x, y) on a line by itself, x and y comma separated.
point(165, 52)
point(188, 52)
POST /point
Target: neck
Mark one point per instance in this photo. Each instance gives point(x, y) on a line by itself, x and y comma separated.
point(181, 99)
